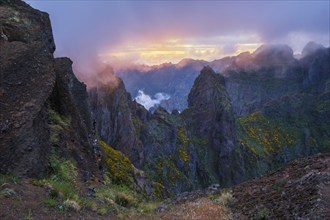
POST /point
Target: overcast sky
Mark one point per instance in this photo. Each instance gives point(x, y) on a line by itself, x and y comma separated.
point(153, 31)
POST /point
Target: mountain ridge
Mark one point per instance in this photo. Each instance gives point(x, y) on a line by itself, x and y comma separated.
point(69, 152)
point(183, 73)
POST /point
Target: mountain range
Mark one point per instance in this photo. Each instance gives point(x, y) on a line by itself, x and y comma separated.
point(69, 152)
point(176, 80)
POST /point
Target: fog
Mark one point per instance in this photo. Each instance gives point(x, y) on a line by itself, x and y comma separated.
point(84, 29)
point(149, 102)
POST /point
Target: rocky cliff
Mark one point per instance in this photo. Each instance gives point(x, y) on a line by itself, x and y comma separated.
point(210, 120)
point(282, 109)
point(26, 59)
point(112, 115)
point(281, 118)
point(180, 152)
point(43, 105)
point(267, 110)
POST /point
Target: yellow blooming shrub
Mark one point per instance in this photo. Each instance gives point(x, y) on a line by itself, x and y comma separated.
point(183, 142)
point(261, 136)
point(120, 167)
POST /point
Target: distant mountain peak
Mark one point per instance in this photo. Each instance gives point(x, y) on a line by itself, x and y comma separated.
point(189, 61)
point(273, 50)
point(207, 70)
point(310, 48)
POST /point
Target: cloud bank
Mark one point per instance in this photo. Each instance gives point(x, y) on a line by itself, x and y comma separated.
point(147, 101)
point(84, 29)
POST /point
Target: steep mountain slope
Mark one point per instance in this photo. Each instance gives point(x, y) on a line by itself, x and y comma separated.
point(180, 152)
point(210, 120)
point(300, 190)
point(52, 165)
point(35, 87)
point(112, 115)
point(73, 143)
point(274, 65)
point(282, 118)
point(173, 79)
point(206, 143)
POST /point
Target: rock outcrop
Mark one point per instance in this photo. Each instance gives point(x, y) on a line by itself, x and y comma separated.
point(42, 104)
point(209, 118)
point(27, 81)
point(69, 100)
point(110, 104)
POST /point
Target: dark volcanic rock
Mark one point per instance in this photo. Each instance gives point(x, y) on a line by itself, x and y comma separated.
point(70, 99)
point(35, 87)
point(110, 105)
point(209, 117)
point(27, 80)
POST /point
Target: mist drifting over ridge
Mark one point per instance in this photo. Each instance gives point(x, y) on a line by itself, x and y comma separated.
point(148, 102)
point(137, 38)
point(128, 31)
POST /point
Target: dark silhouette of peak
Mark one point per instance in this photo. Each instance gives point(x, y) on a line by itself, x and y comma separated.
point(208, 75)
point(310, 48)
point(207, 70)
point(196, 64)
point(273, 51)
point(206, 87)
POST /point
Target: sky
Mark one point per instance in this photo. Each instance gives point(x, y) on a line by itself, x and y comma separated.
point(154, 32)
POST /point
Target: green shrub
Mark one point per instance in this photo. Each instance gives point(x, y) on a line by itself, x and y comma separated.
point(57, 123)
point(62, 170)
point(9, 179)
point(102, 210)
point(57, 119)
point(263, 213)
point(51, 202)
point(61, 183)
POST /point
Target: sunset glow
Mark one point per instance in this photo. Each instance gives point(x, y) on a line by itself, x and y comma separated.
point(174, 50)
point(150, 32)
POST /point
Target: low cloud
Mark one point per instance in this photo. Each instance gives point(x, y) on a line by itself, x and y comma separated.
point(147, 101)
point(85, 29)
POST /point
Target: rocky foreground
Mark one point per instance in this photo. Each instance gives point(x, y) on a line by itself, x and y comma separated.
point(300, 190)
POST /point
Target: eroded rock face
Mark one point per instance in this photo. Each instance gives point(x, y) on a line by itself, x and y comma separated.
point(70, 99)
point(27, 80)
point(112, 115)
point(210, 118)
point(169, 146)
point(33, 84)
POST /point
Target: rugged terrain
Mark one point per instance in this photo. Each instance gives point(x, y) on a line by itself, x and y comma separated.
point(300, 190)
point(261, 114)
point(71, 153)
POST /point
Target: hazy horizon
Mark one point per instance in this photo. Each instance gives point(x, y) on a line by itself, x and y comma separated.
point(158, 32)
